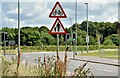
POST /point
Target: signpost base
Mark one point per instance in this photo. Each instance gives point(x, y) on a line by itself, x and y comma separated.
point(57, 46)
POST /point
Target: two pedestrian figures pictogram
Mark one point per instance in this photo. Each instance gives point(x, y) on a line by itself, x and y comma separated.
point(57, 28)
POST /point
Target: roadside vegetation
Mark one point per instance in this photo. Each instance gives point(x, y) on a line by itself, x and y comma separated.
point(46, 48)
point(105, 32)
point(102, 35)
point(49, 66)
point(103, 54)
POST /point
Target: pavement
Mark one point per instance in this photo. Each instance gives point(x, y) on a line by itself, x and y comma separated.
point(113, 62)
point(100, 60)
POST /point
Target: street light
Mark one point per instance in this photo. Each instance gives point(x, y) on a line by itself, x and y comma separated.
point(71, 25)
point(71, 32)
point(18, 63)
point(87, 37)
point(18, 27)
point(75, 50)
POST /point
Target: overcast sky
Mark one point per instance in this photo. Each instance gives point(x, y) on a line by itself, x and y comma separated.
point(37, 13)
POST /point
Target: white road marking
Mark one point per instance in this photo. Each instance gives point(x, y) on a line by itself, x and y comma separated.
point(24, 61)
point(104, 70)
point(44, 52)
point(26, 56)
point(69, 73)
point(115, 60)
point(37, 52)
point(27, 62)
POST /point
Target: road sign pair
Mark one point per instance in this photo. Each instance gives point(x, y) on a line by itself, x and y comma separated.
point(57, 12)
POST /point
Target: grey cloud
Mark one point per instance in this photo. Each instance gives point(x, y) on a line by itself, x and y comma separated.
point(41, 15)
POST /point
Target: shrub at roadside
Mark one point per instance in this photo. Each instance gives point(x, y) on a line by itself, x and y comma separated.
point(48, 67)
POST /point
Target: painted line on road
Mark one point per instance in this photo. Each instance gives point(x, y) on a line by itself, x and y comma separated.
point(44, 52)
point(26, 56)
point(69, 73)
point(95, 62)
point(37, 52)
point(27, 62)
point(115, 60)
point(24, 61)
point(104, 70)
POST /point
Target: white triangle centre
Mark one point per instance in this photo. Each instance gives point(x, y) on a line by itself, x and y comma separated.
point(57, 28)
point(57, 11)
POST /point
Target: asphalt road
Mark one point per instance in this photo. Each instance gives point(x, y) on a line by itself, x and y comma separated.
point(96, 69)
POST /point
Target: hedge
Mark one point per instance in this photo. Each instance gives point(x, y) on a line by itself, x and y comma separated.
point(61, 48)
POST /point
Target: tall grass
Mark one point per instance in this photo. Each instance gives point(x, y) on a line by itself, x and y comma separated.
point(50, 66)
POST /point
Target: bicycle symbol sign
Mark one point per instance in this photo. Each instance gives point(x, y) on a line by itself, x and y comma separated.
point(57, 12)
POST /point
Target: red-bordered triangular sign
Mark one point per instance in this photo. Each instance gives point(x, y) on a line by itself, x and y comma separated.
point(57, 11)
point(57, 28)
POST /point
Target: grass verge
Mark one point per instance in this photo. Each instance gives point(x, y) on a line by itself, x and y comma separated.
point(109, 54)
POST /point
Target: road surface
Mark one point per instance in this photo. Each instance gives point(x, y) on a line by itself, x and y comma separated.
point(97, 69)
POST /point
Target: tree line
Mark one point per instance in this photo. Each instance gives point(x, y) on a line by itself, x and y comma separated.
point(104, 32)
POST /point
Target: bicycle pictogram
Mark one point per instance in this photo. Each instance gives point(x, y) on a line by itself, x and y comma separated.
point(57, 12)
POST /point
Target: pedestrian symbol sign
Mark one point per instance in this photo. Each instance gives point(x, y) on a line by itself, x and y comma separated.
point(57, 11)
point(57, 28)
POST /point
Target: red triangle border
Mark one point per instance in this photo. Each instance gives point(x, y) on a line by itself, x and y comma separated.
point(50, 32)
point(60, 8)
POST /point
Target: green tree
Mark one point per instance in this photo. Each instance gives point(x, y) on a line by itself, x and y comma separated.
point(108, 41)
point(115, 39)
point(44, 29)
point(92, 40)
point(81, 40)
point(39, 43)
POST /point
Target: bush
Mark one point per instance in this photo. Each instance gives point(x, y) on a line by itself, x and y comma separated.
point(92, 41)
point(114, 38)
point(108, 41)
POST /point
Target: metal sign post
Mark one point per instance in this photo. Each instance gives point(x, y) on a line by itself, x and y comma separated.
point(76, 25)
point(74, 47)
point(4, 44)
point(57, 28)
point(57, 45)
point(87, 26)
point(18, 61)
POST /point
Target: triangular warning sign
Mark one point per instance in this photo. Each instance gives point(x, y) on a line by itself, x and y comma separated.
point(57, 28)
point(57, 11)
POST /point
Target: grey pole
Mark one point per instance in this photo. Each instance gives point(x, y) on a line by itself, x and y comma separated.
point(71, 32)
point(57, 45)
point(76, 24)
point(87, 37)
point(4, 45)
point(75, 43)
point(18, 62)
point(18, 27)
